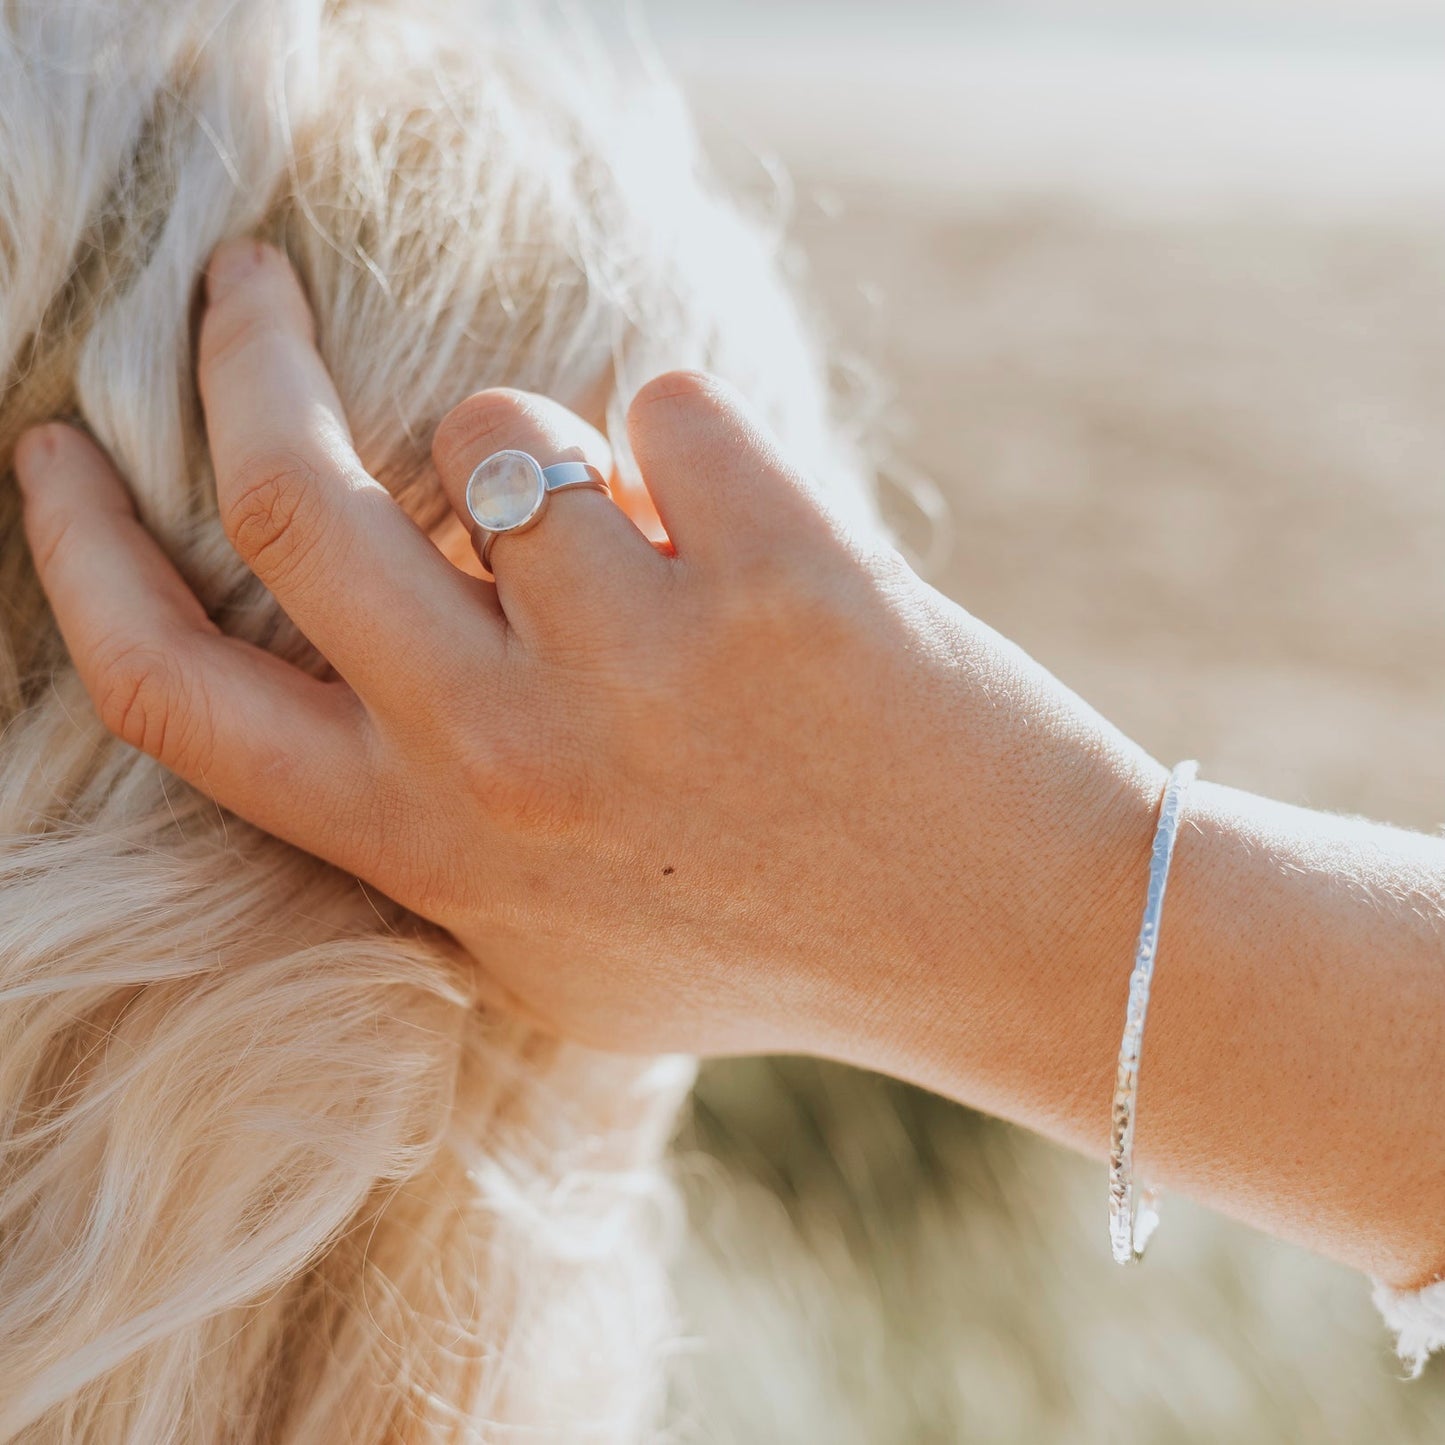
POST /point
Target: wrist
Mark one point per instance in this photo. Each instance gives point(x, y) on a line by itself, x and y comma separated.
point(1010, 988)
point(1041, 1047)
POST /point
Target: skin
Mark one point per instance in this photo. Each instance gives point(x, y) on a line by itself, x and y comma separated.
point(762, 790)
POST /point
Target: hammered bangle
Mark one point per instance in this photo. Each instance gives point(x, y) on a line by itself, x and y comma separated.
point(1129, 1230)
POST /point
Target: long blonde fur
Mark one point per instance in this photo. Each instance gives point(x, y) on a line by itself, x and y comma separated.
point(268, 1173)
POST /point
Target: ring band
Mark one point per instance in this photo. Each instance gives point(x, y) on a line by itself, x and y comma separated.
point(508, 492)
point(561, 475)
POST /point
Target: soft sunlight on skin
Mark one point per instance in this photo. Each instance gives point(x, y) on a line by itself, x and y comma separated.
point(771, 793)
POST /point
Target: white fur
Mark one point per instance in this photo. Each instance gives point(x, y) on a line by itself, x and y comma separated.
point(1417, 1319)
point(266, 1171)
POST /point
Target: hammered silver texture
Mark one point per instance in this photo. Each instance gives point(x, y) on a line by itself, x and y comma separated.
point(1129, 1231)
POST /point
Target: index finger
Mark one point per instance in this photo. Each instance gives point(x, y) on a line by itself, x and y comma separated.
point(350, 567)
point(281, 748)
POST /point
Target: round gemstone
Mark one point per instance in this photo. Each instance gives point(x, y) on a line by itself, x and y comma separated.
point(506, 491)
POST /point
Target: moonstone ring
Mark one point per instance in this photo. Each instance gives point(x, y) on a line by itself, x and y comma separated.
point(508, 493)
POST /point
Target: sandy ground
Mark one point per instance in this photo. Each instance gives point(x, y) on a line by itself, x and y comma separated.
point(1196, 464)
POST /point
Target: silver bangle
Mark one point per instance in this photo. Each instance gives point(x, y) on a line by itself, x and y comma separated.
point(1129, 1231)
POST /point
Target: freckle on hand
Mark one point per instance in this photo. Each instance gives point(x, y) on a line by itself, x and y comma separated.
point(668, 870)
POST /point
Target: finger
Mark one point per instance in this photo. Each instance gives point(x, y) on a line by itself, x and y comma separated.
point(348, 565)
point(584, 561)
point(280, 748)
point(717, 476)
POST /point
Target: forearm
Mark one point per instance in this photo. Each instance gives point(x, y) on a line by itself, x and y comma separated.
point(1293, 1070)
point(1296, 1052)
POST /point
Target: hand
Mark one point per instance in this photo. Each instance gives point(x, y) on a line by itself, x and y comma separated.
point(770, 792)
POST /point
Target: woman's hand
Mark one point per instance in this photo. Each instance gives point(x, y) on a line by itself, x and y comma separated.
point(770, 793)
point(767, 793)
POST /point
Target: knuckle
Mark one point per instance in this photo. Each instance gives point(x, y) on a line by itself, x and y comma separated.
point(759, 562)
point(766, 580)
point(268, 518)
point(144, 698)
point(525, 788)
point(684, 388)
point(482, 423)
point(772, 600)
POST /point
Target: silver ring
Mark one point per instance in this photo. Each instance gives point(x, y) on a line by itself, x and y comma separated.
point(508, 492)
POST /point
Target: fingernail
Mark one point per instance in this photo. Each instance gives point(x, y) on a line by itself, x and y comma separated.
point(231, 263)
point(34, 452)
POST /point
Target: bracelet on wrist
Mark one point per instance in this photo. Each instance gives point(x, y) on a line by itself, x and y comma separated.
point(1132, 1222)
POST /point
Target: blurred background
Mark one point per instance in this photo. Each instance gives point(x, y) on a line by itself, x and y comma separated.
point(1154, 297)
